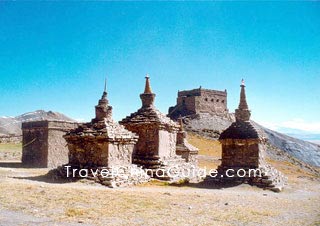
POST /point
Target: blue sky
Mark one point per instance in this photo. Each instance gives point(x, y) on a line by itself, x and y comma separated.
point(55, 56)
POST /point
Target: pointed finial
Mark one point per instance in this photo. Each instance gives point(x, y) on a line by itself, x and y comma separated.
point(147, 96)
point(243, 100)
point(243, 112)
point(147, 88)
point(103, 110)
point(105, 85)
point(104, 94)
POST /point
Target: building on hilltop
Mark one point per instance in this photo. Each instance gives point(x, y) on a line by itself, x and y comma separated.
point(195, 101)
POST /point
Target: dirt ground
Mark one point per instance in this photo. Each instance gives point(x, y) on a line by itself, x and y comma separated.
point(29, 198)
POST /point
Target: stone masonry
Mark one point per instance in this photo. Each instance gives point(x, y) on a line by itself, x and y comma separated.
point(156, 147)
point(104, 144)
point(196, 101)
point(184, 149)
point(244, 147)
point(43, 143)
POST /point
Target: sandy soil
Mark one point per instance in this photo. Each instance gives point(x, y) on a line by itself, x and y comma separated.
point(29, 198)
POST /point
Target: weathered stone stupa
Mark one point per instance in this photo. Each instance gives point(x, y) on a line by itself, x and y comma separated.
point(156, 147)
point(244, 147)
point(104, 144)
point(184, 149)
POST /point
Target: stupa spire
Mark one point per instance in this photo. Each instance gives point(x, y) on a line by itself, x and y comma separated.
point(147, 97)
point(147, 88)
point(103, 100)
point(104, 94)
point(243, 112)
point(243, 100)
point(105, 85)
point(103, 110)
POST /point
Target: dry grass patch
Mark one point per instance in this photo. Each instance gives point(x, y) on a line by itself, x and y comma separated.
point(153, 204)
point(292, 171)
point(206, 146)
point(73, 201)
point(157, 203)
point(10, 151)
point(75, 212)
point(210, 151)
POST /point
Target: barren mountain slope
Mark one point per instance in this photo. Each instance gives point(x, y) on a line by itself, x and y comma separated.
point(211, 127)
point(12, 125)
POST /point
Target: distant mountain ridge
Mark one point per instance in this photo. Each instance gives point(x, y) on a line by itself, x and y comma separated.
point(203, 124)
point(303, 150)
point(211, 126)
point(12, 125)
point(311, 136)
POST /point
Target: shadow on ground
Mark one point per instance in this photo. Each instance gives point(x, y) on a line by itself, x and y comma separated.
point(12, 165)
point(53, 176)
point(48, 178)
point(210, 184)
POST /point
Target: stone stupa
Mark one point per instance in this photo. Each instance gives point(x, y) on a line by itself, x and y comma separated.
point(244, 148)
point(105, 144)
point(157, 144)
point(184, 148)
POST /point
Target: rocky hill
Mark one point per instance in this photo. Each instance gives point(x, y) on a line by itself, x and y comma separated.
point(300, 149)
point(12, 125)
point(211, 126)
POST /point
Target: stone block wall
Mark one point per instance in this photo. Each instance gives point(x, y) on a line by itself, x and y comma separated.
point(211, 101)
point(147, 144)
point(97, 153)
point(188, 104)
point(153, 141)
point(167, 143)
point(43, 143)
point(241, 153)
point(200, 101)
point(120, 154)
